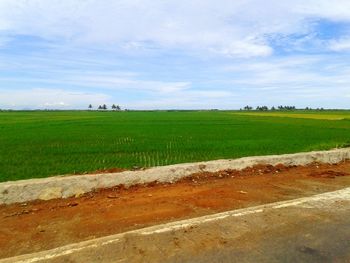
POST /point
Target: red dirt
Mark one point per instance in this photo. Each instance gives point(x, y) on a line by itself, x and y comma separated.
point(328, 174)
point(104, 171)
point(41, 225)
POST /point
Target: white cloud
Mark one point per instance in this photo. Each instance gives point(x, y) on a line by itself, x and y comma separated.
point(116, 83)
point(49, 99)
point(150, 49)
point(199, 99)
point(56, 104)
point(336, 10)
point(244, 49)
point(103, 80)
point(302, 81)
point(233, 28)
point(64, 99)
point(340, 45)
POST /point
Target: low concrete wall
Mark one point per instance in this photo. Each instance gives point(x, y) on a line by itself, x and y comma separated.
point(67, 186)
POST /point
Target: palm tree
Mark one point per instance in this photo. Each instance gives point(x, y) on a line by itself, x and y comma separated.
point(248, 107)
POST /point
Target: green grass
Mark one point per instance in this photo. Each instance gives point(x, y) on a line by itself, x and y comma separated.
point(320, 115)
point(41, 144)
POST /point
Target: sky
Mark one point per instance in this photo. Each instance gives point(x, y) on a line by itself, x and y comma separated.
point(174, 54)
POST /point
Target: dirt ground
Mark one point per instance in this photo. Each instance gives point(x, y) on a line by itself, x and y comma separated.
point(42, 225)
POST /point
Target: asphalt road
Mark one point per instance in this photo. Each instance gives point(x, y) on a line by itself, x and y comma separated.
point(311, 229)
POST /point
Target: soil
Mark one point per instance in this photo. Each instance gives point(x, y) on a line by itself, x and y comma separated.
point(103, 171)
point(42, 225)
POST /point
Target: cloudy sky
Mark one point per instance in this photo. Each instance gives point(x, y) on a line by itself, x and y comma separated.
point(188, 54)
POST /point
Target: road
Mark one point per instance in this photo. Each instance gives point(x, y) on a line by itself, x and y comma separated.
point(310, 229)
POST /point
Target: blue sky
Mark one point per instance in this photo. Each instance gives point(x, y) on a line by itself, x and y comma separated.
point(156, 54)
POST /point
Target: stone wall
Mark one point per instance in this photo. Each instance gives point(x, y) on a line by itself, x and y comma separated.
point(75, 185)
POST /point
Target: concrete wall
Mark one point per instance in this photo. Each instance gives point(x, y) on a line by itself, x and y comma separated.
point(67, 186)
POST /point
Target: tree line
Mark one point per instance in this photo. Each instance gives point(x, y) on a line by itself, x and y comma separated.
point(273, 108)
point(105, 107)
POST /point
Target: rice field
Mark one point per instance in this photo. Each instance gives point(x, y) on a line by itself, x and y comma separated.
point(45, 143)
point(319, 115)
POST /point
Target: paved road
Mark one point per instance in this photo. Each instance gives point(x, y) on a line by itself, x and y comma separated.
point(312, 229)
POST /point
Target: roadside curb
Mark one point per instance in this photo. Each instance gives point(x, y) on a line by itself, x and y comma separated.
point(68, 186)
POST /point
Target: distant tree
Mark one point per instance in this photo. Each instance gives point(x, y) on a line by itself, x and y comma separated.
point(100, 107)
point(248, 107)
point(114, 107)
point(262, 108)
point(90, 107)
point(104, 107)
point(273, 108)
point(286, 107)
point(118, 108)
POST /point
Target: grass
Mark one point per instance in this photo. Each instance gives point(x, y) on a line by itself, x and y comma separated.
point(318, 115)
point(41, 144)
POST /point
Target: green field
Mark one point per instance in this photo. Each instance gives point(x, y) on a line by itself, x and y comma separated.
point(328, 115)
point(40, 144)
